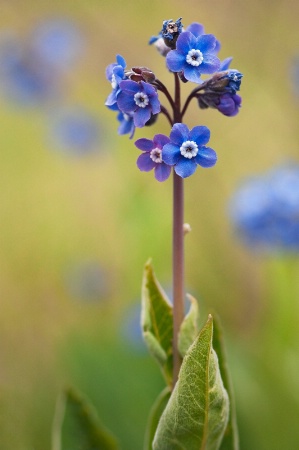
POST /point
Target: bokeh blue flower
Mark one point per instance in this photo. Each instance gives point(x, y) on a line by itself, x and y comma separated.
point(265, 209)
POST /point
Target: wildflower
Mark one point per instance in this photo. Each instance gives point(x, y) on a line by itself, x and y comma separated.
point(115, 73)
point(151, 158)
point(126, 125)
point(187, 149)
point(138, 99)
point(193, 56)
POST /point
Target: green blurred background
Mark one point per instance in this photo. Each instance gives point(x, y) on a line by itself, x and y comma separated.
point(76, 230)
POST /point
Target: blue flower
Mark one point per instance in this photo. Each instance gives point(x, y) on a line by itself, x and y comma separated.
point(138, 99)
point(265, 209)
point(76, 131)
point(229, 104)
point(193, 56)
point(57, 42)
point(187, 149)
point(115, 73)
point(151, 158)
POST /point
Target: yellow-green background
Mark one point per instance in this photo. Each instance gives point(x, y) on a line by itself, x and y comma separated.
point(56, 211)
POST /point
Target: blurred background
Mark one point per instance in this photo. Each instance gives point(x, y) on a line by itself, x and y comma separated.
point(78, 220)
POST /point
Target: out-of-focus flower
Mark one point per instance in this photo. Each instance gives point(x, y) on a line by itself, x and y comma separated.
point(57, 42)
point(265, 209)
point(88, 281)
point(193, 56)
point(75, 131)
point(187, 149)
point(126, 125)
point(138, 99)
point(151, 158)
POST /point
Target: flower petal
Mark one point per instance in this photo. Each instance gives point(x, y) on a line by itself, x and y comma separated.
point(145, 163)
point(121, 61)
point(210, 64)
point(175, 61)
point(129, 86)
point(160, 140)
point(162, 172)
point(148, 88)
point(200, 134)
point(126, 102)
point(192, 73)
point(206, 43)
point(206, 157)
point(171, 154)
point(185, 167)
point(224, 65)
point(179, 133)
point(146, 145)
point(155, 104)
point(111, 99)
point(141, 116)
point(186, 41)
point(196, 28)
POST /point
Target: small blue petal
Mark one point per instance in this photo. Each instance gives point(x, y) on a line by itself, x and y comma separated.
point(179, 133)
point(224, 65)
point(186, 41)
point(144, 144)
point(160, 140)
point(210, 64)
point(171, 154)
point(200, 134)
point(185, 167)
point(126, 102)
point(141, 116)
point(206, 157)
point(121, 61)
point(192, 73)
point(145, 163)
point(206, 43)
point(162, 172)
point(196, 28)
point(175, 61)
point(129, 86)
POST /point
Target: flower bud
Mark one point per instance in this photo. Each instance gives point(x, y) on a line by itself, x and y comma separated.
point(171, 31)
point(141, 74)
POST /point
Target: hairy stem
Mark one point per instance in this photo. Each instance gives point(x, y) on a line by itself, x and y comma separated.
point(178, 247)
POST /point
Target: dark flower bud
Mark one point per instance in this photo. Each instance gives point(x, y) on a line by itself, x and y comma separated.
point(227, 103)
point(152, 120)
point(140, 74)
point(227, 81)
point(171, 31)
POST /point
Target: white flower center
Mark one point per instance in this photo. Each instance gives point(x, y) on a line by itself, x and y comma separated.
point(113, 82)
point(194, 57)
point(141, 99)
point(156, 155)
point(189, 149)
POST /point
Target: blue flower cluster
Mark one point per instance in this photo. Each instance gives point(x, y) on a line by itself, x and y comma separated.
point(189, 55)
point(265, 209)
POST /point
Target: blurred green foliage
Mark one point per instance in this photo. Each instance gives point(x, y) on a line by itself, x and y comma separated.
point(57, 211)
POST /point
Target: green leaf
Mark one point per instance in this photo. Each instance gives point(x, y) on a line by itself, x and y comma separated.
point(196, 415)
point(230, 439)
point(156, 322)
point(77, 426)
point(189, 328)
point(154, 417)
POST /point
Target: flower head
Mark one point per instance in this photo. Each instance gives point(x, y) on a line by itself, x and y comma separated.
point(138, 99)
point(193, 56)
point(151, 158)
point(187, 149)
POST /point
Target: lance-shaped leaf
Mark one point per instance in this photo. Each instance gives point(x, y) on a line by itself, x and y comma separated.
point(76, 426)
point(230, 439)
point(156, 322)
point(189, 328)
point(196, 415)
point(154, 417)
